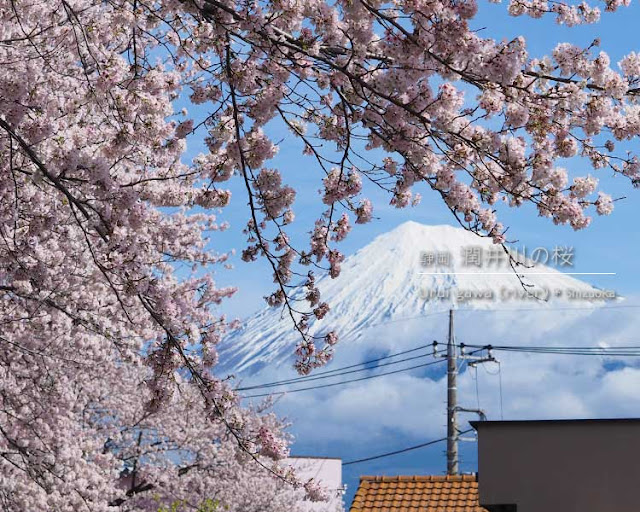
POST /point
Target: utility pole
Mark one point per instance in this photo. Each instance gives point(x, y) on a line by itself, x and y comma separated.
point(452, 402)
point(452, 356)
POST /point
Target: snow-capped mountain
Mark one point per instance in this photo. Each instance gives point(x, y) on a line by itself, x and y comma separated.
point(412, 271)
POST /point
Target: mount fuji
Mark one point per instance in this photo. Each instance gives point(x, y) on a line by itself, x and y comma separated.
point(409, 273)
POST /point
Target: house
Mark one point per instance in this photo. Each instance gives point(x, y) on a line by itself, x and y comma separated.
point(559, 465)
point(417, 494)
point(327, 471)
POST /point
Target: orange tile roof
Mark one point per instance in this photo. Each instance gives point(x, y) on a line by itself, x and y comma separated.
point(417, 494)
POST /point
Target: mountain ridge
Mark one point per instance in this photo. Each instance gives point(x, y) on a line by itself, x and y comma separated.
point(399, 274)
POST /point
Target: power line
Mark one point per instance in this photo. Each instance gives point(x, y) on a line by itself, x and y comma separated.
point(500, 380)
point(330, 373)
point(475, 367)
point(323, 375)
point(404, 450)
point(572, 353)
point(333, 373)
point(346, 381)
point(627, 351)
point(313, 378)
point(566, 348)
point(338, 371)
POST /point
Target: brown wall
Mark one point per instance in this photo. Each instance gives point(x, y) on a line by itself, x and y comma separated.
point(564, 466)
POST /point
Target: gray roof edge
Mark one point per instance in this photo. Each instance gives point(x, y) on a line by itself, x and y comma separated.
point(476, 424)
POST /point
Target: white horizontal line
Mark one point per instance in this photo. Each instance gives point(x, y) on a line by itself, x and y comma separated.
point(519, 273)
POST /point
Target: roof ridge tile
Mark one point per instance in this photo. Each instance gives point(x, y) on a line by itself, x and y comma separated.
point(419, 478)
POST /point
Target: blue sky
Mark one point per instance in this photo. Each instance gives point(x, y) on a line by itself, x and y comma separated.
point(610, 244)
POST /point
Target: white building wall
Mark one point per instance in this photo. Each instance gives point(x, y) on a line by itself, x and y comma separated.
point(328, 473)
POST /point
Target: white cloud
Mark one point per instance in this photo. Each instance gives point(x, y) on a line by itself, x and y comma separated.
point(533, 385)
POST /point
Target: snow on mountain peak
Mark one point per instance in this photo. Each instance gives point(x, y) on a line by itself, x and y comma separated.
point(410, 271)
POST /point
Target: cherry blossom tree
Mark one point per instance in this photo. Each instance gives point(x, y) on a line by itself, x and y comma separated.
point(108, 331)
